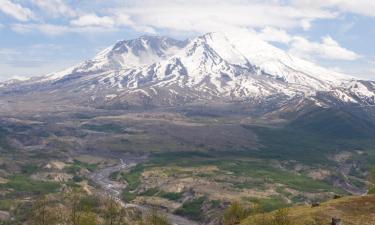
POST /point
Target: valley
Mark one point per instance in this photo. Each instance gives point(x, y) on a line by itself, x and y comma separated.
point(185, 129)
point(188, 164)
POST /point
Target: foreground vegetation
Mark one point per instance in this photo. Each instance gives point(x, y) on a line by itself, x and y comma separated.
point(75, 207)
point(198, 167)
point(78, 208)
point(350, 210)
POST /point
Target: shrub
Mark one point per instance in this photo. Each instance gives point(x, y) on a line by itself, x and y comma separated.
point(192, 209)
point(235, 213)
point(154, 218)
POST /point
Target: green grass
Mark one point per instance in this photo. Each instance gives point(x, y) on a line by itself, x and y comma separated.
point(271, 174)
point(128, 196)
point(21, 183)
point(269, 204)
point(192, 209)
point(172, 196)
point(3, 140)
point(6, 204)
point(150, 192)
point(29, 169)
point(107, 128)
point(133, 179)
point(306, 147)
point(260, 171)
point(300, 142)
point(78, 165)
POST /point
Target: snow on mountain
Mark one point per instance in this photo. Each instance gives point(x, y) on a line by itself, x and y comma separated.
point(125, 54)
point(215, 65)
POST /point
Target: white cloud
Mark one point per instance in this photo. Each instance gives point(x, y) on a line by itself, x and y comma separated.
point(306, 24)
point(215, 15)
point(177, 16)
point(48, 29)
point(363, 7)
point(122, 19)
point(34, 60)
point(55, 8)
point(327, 49)
point(54, 30)
point(16, 10)
point(275, 35)
point(93, 20)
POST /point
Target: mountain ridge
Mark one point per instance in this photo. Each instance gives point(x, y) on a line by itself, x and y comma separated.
point(211, 67)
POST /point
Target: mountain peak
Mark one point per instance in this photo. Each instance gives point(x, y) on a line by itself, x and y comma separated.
point(222, 65)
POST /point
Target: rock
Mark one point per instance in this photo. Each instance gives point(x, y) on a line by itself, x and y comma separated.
point(336, 221)
point(315, 204)
point(337, 196)
point(4, 215)
point(57, 165)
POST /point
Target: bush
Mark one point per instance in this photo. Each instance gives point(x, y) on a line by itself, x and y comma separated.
point(173, 196)
point(280, 217)
point(154, 218)
point(192, 209)
point(235, 213)
point(77, 179)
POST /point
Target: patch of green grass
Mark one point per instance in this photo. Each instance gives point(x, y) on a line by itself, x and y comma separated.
point(78, 165)
point(215, 203)
point(260, 171)
point(271, 174)
point(114, 176)
point(269, 204)
point(3, 140)
point(29, 169)
point(128, 196)
point(107, 128)
point(88, 203)
point(83, 116)
point(255, 183)
point(21, 183)
point(6, 204)
point(304, 146)
point(150, 192)
point(173, 196)
point(90, 167)
point(133, 178)
point(77, 179)
point(192, 209)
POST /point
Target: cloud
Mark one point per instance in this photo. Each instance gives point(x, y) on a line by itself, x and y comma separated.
point(210, 15)
point(55, 8)
point(48, 29)
point(37, 59)
point(93, 20)
point(362, 7)
point(54, 30)
point(16, 10)
point(275, 35)
point(194, 16)
point(326, 49)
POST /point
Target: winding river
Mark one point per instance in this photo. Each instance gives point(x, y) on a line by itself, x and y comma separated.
point(101, 177)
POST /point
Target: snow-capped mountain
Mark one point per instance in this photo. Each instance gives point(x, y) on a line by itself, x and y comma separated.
point(215, 66)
